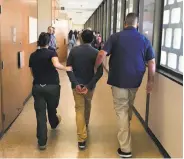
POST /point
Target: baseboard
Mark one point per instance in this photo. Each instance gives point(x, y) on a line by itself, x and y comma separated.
point(153, 137)
point(1, 135)
point(25, 101)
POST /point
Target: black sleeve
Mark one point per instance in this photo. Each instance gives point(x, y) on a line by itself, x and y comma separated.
point(96, 77)
point(53, 53)
point(70, 74)
point(30, 61)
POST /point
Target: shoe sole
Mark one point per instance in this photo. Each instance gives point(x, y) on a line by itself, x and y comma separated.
point(42, 148)
point(124, 156)
point(82, 147)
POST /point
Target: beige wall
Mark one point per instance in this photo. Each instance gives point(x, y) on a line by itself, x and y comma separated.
point(165, 116)
point(44, 15)
point(165, 112)
point(140, 100)
point(77, 27)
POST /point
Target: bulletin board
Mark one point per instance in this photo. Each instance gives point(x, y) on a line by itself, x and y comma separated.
point(33, 30)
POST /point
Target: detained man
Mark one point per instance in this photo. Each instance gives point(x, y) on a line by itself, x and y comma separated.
point(83, 79)
point(129, 53)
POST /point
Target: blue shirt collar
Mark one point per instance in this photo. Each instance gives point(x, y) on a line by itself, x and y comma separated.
point(130, 28)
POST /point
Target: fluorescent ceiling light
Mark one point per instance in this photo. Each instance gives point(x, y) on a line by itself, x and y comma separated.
point(80, 3)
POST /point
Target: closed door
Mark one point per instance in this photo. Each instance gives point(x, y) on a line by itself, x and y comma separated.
point(61, 38)
point(10, 46)
point(1, 111)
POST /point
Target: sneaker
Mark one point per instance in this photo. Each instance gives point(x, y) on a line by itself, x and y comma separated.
point(59, 119)
point(82, 145)
point(124, 154)
point(42, 147)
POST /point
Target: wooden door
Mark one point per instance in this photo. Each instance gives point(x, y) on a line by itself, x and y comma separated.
point(10, 25)
point(61, 37)
point(1, 111)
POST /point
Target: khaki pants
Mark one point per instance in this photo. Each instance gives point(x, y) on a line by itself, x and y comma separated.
point(123, 103)
point(83, 110)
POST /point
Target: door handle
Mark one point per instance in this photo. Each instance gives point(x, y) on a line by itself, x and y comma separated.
point(2, 65)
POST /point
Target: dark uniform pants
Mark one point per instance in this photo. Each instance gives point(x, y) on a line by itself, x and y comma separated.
point(46, 97)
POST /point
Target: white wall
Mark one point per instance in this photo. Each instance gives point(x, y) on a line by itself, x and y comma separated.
point(77, 27)
point(44, 15)
point(166, 115)
point(165, 112)
point(140, 100)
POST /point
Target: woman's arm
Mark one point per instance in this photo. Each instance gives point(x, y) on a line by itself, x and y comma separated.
point(59, 66)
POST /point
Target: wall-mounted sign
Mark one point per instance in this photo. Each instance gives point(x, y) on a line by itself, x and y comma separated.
point(33, 30)
point(14, 34)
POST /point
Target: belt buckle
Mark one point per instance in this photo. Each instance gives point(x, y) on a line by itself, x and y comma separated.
point(42, 85)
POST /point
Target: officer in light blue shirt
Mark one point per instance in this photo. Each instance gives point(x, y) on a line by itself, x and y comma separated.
point(52, 43)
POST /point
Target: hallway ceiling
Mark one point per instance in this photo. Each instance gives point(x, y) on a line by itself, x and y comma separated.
point(79, 10)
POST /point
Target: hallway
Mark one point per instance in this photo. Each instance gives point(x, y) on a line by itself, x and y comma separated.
point(20, 140)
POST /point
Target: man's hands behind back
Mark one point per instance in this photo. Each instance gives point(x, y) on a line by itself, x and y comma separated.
point(81, 90)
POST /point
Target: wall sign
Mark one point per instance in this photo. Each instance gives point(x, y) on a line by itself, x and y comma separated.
point(33, 30)
point(14, 34)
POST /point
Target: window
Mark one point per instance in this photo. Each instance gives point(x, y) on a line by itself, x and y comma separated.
point(172, 40)
point(105, 23)
point(129, 6)
point(108, 19)
point(148, 18)
point(112, 16)
point(119, 12)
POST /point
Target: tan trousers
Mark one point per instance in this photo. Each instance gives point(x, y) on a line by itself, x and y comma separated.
point(83, 110)
point(123, 103)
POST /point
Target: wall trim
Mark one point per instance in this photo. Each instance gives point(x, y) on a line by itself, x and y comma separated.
point(153, 137)
point(5, 131)
point(27, 99)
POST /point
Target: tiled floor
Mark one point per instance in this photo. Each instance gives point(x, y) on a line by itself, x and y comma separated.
point(20, 141)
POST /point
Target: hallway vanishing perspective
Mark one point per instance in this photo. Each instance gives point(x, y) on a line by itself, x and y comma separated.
point(20, 140)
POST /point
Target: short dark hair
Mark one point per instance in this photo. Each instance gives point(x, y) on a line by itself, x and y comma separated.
point(43, 39)
point(50, 27)
point(87, 36)
point(131, 19)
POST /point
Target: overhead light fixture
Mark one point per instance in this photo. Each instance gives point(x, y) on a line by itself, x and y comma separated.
point(74, 2)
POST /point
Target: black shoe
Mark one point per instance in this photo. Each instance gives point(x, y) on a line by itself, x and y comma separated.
point(124, 154)
point(59, 121)
point(82, 145)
